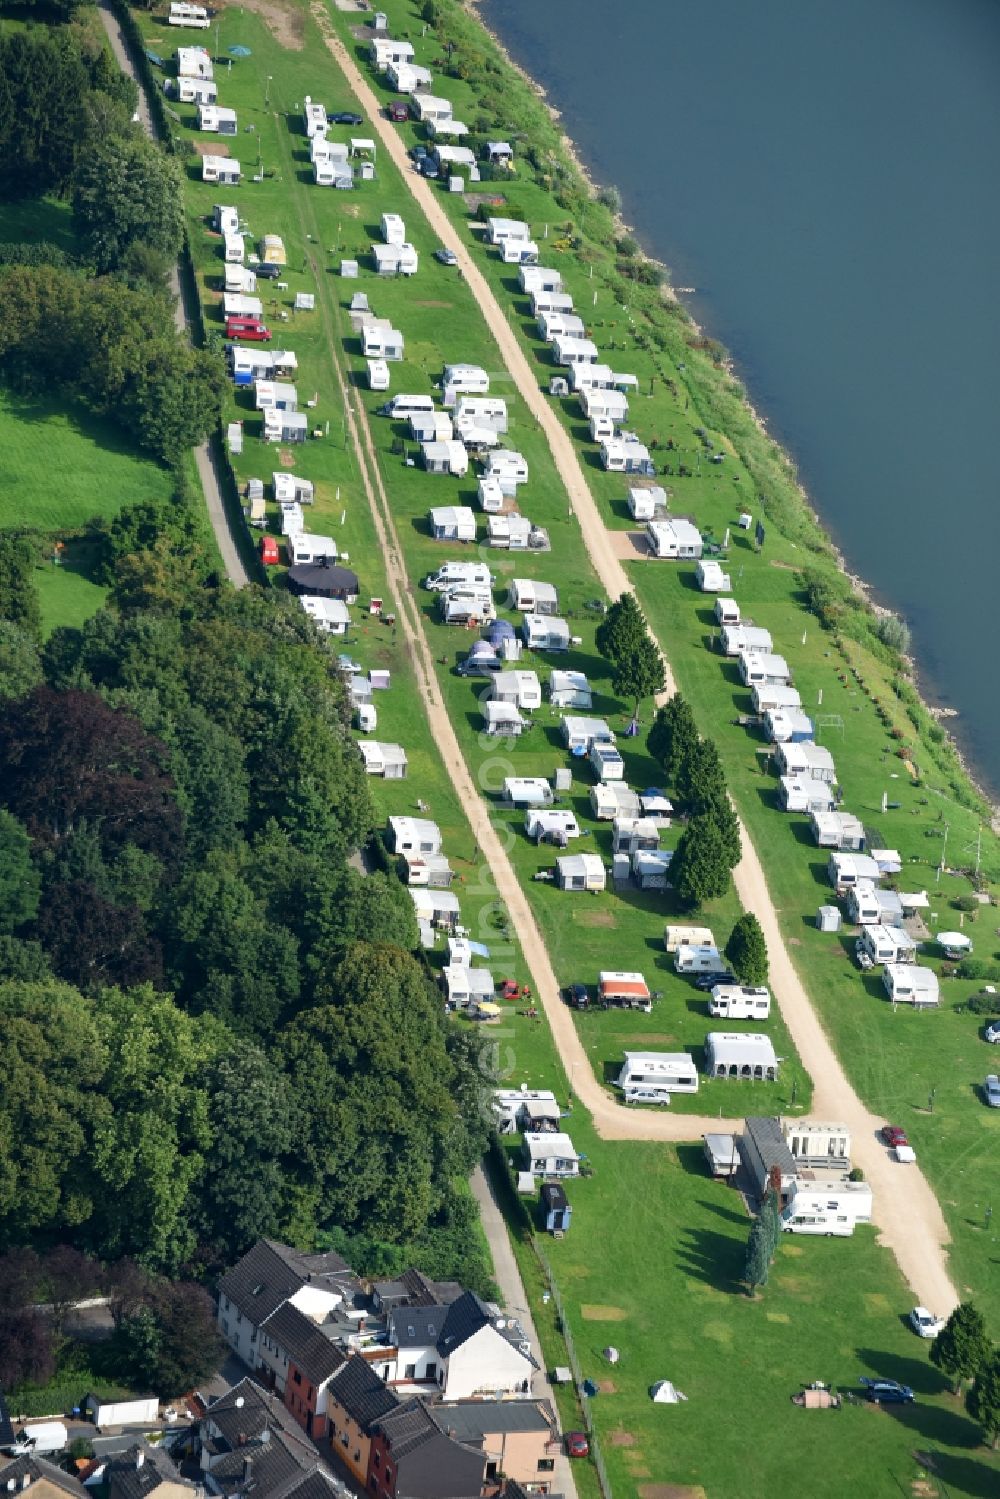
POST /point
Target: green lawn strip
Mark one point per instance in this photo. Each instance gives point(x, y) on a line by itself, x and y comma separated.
point(38, 220)
point(527, 1051)
point(889, 1073)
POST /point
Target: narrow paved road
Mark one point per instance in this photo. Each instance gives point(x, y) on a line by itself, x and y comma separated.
point(907, 1213)
point(508, 1278)
point(205, 455)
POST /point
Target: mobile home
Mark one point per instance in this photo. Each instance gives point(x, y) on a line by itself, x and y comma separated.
point(549, 1154)
point(544, 632)
point(736, 1002)
point(909, 984)
point(220, 169)
point(381, 343)
point(395, 260)
point(500, 230)
point(673, 539)
point(197, 90)
point(694, 958)
point(522, 688)
point(665, 1071)
point(800, 794)
point(764, 669)
point(711, 578)
point(217, 121)
point(647, 502)
point(483, 411)
point(813, 761)
point(331, 616)
point(578, 734)
point(552, 825)
point(581, 872)
point(741, 640)
point(727, 612)
point(768, 697)
point(386, 760)
point(847, 871)
point(452, 523)
point(527, 791)
point(832, 1209)
point(532, 597)
point(606, 762)
point(450, 457)
point(885, 944)
point(188, 16)
point(570, 689)
point(840, 830)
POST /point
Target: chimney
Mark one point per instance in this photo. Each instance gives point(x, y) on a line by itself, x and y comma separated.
point(242, 1439)
point(140, 1458)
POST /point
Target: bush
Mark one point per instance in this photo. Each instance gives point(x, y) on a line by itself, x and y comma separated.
point(610, 197)
point(978, 970)
point(893, 632)
point(966, 903)
point(984, 1004)
point(855, 1174)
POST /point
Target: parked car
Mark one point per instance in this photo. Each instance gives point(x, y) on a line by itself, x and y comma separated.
point(924, 1323)
point(426, 165)
point(446, 256)
point(893, 1135)
point(577, 1444)
point(647, 1095)
point(269, 554)
point(576, 996)
point(346, 117)
point(417, 153)
point(887, 1392)
point(706, 981)
point(991, 1088)
point(265, 271)
point(992, 1033)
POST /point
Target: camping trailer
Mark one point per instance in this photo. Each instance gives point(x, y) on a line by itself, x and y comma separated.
point(832, 1209)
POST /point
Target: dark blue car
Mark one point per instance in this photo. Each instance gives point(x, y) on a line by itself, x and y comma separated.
point(887, 1392)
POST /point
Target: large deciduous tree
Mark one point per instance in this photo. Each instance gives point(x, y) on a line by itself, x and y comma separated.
point(18, 595)
point(242, 1192)
point(127, 190)
point(20, 882)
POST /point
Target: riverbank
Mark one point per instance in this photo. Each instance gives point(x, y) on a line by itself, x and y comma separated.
point(779, 488)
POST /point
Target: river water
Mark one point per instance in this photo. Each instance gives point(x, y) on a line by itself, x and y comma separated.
point(826, 176)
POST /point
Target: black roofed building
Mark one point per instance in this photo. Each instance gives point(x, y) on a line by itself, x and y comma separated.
point(324, 579)
point(250, 1447)
point(414, 1288)
point(265, 1278)
point(482, 1352)
point(144, 1470)
point(309, 1357)
point(414, 1332)
point(762, 1150)
point(412, 1457)
point(517, 1438)
point(355, 1399)
point(45, 1480)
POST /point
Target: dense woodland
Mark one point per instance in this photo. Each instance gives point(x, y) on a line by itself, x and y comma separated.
point(213, 1026)
point(95, 324)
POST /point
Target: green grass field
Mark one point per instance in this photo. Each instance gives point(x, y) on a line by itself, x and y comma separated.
point(654, 1243)
point(62, 468)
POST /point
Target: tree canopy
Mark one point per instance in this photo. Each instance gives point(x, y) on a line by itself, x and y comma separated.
point(746, 951)
point(961, 1347)
point(700, 868)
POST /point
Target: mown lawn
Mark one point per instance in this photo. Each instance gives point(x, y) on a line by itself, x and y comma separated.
point(653, 1238)
point(62, 467)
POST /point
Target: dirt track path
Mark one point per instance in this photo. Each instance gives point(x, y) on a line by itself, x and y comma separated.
point(907, 1213)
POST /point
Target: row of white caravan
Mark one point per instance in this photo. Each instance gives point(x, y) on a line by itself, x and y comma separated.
point(653, 1076)
point(807, 781)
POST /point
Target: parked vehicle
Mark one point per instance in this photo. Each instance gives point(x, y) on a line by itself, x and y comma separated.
point(45, 1436)
point(576, 996)
point(577, 1444)
point(248, 328)
point(924, 1323)
point(446, 257)
point(644, 1094)
point(991, 1088)
point(992, 1033)
point(269, 551)
point(887, 1392)
point(893, 1135)
point(707, 981)
point(266, 270)
point(346, 117)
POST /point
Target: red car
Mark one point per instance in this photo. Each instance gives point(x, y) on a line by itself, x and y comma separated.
point(893, 1135)
point(269, 551)
point(248, 328)
point(577, 1444)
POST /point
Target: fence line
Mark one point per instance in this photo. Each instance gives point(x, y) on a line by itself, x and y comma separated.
point(575, 1370)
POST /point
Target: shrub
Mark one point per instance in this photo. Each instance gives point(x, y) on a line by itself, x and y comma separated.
point(966, 903)
point(978, 970)
point(855, 1174)
point(610, 197)
point(984, 1004)
point(893, 632)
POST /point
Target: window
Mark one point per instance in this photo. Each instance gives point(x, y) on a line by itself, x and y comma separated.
point(253, 1336)
point(225, 1327)
point(297, 1377)
point(491, 1470)
point(377, 1460)
point(432, 1370)
point(239, 1318)
point(410, 1371)
point(546, 1464)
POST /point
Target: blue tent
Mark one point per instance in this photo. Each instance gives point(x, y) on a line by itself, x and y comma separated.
point(500, 630)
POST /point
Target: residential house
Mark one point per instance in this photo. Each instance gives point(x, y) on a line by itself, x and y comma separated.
point(518, 1438)
point(356, 1398)
point(413, 1288)
point(413, 1331)
point(311, 1357)
point(483, 1352)
point(249, 1447)
point(740, 1054)
point(43, 1478)
point(581, 872)
point(413, 1456)
point(265, 1278)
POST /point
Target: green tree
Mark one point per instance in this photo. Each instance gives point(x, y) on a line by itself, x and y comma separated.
point(746, 951)
point(770, 1211)
point(983, 1400)
point(961, 1347)
point(242, 1191)
point(43, 85)
point(621, 630)
point(20, 661)
point(672, 736)
point(127, 190)
point(758, 1257)
point(20, 882)
point(700, 869)
point(641, 673)
point(699, 779)
point(18, 595)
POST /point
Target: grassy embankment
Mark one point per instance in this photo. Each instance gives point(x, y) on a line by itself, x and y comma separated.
point(654, 1244)
point(867, 707)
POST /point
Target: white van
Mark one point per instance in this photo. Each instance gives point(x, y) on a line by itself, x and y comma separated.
point(406, 405)
point(739, 1003)
point(468, 575)
point(46, 1436)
